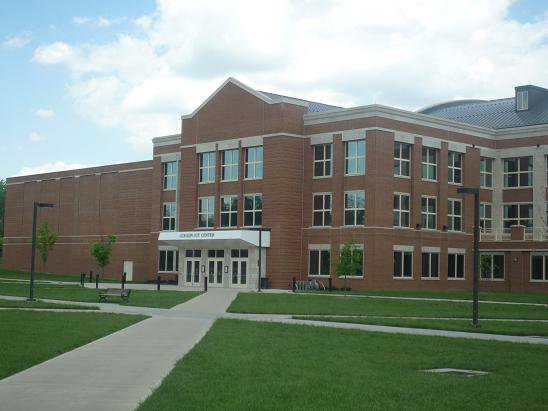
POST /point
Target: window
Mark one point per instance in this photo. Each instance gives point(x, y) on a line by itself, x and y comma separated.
point(539, 267)
point(229, 165)
point(454, 215)
point(169, 216)
point(486, 219)
point(254, 163)
point(486, 172)
point(428, 212)
point(546, 169)
point(492, 266)
point(168, 261)
point(206, 212)
point(253, 210)
point(455, 167)
point(229, 211)
point(319, 262)
point(430, 265)
point(354, 208)
point(403, 264)
point(518, 172)
point(522, 100)
point(322, 160)
point(322, 209)
point(170, 175)
point(402, 159)
point(518, 214)
point(455, 266)
point(429, 163)
point(207, 167)
point(401, 210)
point(357, 250)
point(354, 157)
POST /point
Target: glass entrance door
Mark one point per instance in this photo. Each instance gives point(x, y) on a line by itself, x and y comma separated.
point(239, 267)
point(192, 267)
point(215, 262)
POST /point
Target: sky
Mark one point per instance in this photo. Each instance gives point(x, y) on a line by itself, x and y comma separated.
point(87, 83)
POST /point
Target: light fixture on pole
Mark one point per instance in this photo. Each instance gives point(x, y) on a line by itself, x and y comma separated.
point(260, 230)
point(475, 285)
point(33, 250)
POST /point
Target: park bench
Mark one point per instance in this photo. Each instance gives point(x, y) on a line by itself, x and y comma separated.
point(122, 293)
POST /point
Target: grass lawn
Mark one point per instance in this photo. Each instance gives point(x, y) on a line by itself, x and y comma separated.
point(251, 365)
point(488, 327)
point(41, 304)
point(325, 305)
point(30, 337)
point(140, 298)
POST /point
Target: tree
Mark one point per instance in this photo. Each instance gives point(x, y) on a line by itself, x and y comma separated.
point(350, 261)
point(45, 240)
point(101, 251)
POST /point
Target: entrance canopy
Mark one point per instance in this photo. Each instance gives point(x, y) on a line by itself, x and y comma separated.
point(214, 239)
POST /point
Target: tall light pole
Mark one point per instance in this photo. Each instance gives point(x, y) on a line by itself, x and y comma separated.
point(33, 251)
point(260, 230)
point(475, 286)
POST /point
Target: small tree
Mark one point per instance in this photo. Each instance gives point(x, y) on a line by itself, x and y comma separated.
point(101, 251)
point(349, 261)
point(45, 241)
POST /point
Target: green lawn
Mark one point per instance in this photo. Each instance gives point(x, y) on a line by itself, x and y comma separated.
point(140, 298)
point(41, 304)
point(250, 365)
point(488, 327)
point(340, 305)
point(30, 337)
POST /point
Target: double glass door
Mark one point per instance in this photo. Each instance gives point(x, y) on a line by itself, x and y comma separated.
point(239, 267)
point(215, 262)
point(192, 267)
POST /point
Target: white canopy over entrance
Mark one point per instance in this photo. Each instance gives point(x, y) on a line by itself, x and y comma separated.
point(214, 238)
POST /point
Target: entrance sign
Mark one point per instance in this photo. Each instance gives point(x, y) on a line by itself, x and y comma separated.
point(214, 238)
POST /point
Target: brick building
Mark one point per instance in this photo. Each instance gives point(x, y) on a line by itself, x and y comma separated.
point(315, 175)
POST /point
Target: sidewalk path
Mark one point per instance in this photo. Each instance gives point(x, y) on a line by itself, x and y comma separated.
point(120, 370)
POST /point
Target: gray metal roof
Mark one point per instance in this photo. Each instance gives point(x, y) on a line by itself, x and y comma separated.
point(313, 106)
point(494, 114)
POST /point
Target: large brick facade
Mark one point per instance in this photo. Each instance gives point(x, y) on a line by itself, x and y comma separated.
point(127, 199)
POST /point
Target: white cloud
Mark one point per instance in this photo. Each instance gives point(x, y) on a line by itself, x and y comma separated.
point(49, 167)
point(35, 137)
point(18, 41)
point(398, 52)
point(98, 21)
point(44, 113)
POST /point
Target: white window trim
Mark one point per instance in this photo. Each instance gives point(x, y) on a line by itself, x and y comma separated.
point(427, 163)
point(492, 161)
point(323, 210)
point(427, 213)
point(230, 165)
point(320, 248)
point(450, 214)
point(253, 164)
point(171, 206)
point(355, 210)
point(209, 167)
point(401, 159)
point(229, 212)
point(164, 169)
point(491, 278)
point(208, 211)
point(544, 266)
point(359, 247)
point(484, 204)
point(323, 160)
point(519, 204)
point(254, 210)
point(457, 251)
point(357, 158)
point(404, 211)
point(452, 168)
point(522, 100)
point(175, 261)
point(518, 173)
point(429, 251)
point(404, 249)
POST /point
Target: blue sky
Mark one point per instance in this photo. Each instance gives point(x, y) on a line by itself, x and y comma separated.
point(90, 83)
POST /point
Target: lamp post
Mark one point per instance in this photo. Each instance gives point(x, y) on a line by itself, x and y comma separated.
point(475, 286)
point(33, 250)
point(260, 230)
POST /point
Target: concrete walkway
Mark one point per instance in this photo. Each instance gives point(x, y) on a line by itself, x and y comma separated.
point(118, 371)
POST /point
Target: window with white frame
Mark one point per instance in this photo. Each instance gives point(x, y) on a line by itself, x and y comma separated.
point(492, 266)
point(206, 212)
point(429, 163)
point(229, 211)
point(522, 100)
point(401, 210)
point(486, 218)
point(518, 172)
point(455, 266)
point(168, 261)
point(322, 160)
point(454, 214)
point(518, 214)
point(170, 175)
point(169, 216)
point(207, 167)
point(486, 172)
point(403, 264)
point(455, 167)
point(354, 208)
point(539, 267)
point(229, 165)
point(322, 209)
point(402, 159)
point(430, 264)
point(254, 163)
point(319, 262)
point(354, 157)
point(357, 252)
point(253, 210)
point(428, 212)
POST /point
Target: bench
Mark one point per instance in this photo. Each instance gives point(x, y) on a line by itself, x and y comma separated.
point(115, 292)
